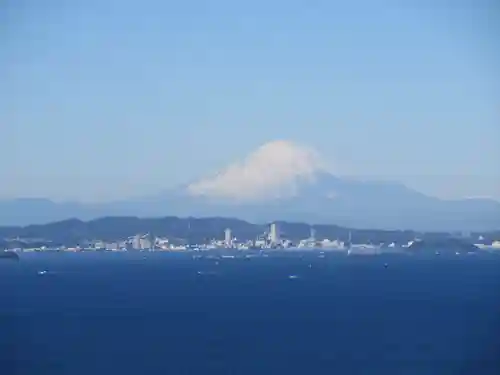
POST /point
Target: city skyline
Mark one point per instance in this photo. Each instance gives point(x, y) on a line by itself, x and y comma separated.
point(105, 100)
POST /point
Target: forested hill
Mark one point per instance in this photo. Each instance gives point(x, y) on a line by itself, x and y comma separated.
point(197, 230)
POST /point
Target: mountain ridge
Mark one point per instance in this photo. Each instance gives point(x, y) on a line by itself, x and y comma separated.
point(390, 215)
point(73, 232)
point(281, 180)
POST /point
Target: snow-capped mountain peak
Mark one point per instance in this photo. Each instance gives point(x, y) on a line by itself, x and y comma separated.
point(272, 171)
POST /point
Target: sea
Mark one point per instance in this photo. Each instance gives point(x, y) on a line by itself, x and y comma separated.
point(288, 313)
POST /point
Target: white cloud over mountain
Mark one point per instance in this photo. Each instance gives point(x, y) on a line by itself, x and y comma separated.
point(272, 171)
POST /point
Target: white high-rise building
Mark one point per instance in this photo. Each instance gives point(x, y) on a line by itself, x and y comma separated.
point(313, 234)
point(274, 236)
point(228, 239)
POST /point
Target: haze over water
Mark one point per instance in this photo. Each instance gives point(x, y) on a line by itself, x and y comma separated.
point(152, 313)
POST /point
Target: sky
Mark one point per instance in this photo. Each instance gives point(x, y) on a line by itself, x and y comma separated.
point(106, 99)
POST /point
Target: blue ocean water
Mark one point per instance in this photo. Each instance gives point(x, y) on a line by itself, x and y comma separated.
point(131, 313)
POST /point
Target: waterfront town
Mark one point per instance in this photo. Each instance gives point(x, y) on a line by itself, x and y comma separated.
point(271, 239)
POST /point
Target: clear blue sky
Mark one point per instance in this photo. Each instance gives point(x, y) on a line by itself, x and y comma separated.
point(107, 99)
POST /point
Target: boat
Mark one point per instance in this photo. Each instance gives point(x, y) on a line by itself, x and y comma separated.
point(495, 245)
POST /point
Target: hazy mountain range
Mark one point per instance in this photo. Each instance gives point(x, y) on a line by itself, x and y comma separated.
point(281, 181)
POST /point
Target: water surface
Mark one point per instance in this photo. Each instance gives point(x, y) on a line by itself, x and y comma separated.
point(126, 313)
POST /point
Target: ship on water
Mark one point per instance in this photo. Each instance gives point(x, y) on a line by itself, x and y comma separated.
point(495, 246)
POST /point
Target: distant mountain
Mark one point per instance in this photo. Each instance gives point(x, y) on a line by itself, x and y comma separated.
point(27, 211)
point(282, 181)
point(74, 232)
point(77, 232)
point(285, 180)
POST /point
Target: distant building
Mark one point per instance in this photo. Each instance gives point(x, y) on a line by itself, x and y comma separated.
point(136, 242)
point(112, 246)
point(313, 234)
point(145, 243)
point(274, 236)
point(228, 239)
point(99, 245)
